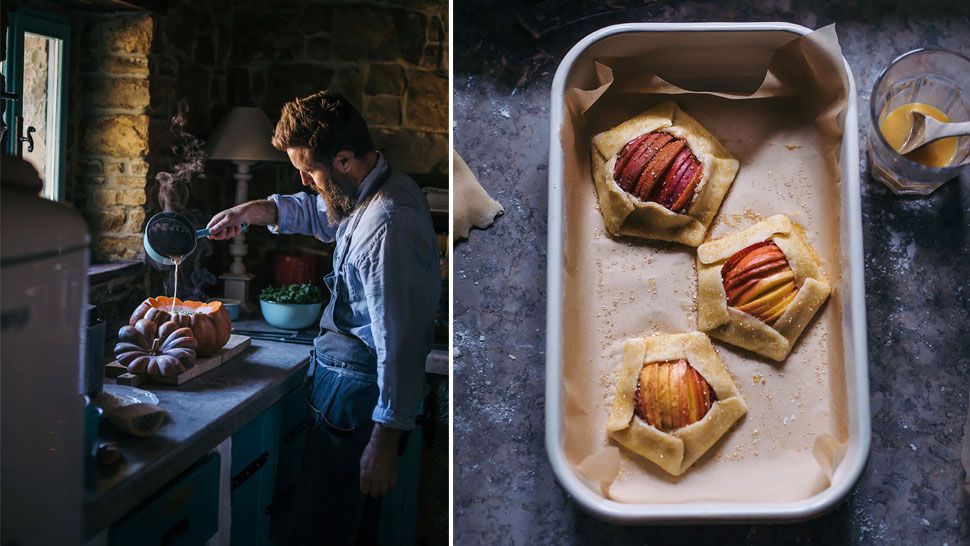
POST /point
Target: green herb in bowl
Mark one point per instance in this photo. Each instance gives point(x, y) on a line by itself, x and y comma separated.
point(292, 293)
point(291, 307)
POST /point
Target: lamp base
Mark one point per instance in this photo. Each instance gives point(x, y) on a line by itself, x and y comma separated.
point(237, 288)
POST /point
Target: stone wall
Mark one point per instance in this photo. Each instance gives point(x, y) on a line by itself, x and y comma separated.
point(389, 59)
point(110, 100)
point(35, 100)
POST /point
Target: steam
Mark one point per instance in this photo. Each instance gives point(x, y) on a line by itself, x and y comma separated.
point(188, 152)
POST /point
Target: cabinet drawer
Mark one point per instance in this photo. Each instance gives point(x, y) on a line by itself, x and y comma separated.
point(184, 512)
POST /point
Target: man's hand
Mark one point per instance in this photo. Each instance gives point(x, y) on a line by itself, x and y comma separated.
point(228, 223)
point(378, 464)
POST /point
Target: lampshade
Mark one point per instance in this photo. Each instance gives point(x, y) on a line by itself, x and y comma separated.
point(244, 134)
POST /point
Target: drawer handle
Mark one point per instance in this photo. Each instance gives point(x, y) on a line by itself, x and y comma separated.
point(249, 471)
point(295, 431)
point(279, 501)
point(175, 531)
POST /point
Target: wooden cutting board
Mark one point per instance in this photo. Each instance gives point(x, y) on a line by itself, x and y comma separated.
point(233, 347)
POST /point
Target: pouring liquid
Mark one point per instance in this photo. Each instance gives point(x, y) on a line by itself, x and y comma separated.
point(176, 260)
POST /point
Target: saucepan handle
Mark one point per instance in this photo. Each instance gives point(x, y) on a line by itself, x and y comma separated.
point(204, 232)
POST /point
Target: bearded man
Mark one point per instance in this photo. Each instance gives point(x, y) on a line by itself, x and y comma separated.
point(366, 378)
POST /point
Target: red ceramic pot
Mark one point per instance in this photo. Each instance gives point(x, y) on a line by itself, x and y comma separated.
point(295, 269)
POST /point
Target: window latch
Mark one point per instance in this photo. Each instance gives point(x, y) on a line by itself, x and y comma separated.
point(29, 139)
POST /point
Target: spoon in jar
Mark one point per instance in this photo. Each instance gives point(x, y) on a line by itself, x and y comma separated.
point(927, 129)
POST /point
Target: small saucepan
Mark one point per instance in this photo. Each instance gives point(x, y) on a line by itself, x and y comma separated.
point(169, 234)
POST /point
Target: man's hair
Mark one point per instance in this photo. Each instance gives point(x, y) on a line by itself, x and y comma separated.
point(324, 122)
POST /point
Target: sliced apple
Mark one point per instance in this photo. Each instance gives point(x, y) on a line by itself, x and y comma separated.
point(666, 187)
point(630, 151)
point(685, 187)
point(623, 157)
point(639, 160)
point(657, 166)
point(758, 281)
point(671, 395)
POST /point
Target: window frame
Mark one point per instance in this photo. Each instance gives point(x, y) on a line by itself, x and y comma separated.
point(50, 26)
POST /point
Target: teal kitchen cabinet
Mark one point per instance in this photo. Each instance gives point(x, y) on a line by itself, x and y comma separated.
point(399, 508)
point(283, 511)
point(255, 454)
point(267, 473)
point(185, 512)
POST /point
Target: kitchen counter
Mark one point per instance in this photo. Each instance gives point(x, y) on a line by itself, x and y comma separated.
point(201, 414)
point(917, 261)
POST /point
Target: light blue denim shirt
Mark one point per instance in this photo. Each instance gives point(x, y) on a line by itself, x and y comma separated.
point(385, 285)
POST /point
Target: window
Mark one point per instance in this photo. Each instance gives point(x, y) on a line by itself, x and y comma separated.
point(35, 72)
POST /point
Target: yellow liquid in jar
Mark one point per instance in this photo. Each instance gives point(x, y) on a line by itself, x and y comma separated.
point(897, 124)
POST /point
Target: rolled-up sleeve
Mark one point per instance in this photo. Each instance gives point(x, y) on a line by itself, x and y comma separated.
point(402, 284)
point(302, 214)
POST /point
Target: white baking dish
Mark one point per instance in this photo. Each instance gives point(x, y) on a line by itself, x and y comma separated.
point(851, 291)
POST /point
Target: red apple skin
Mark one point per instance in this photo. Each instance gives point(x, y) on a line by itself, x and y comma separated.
point(658, 167)
point(757, 279)
point(669, 183)
point(631, 150)
point(638, 162)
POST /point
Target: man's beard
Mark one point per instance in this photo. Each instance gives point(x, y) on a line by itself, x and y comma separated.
point(339, 194)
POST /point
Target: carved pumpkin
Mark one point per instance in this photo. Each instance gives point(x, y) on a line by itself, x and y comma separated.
point(210, 322)
point(146, 348)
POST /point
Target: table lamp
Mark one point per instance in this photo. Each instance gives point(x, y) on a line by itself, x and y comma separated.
point(243, 137)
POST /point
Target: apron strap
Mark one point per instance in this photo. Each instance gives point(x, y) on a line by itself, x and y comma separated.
point(358, 213)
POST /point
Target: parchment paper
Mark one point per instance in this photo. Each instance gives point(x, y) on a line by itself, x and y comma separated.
point(786, 135)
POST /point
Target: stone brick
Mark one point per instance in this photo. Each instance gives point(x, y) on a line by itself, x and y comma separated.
point(138, 167)
point(274, 40)
point(289, 81)
point(383, 111)
point(108, 248)
point(432, 56)
point(131, 197)
point(413, 151)
point(350, 83)
point(436, 30)
point(369, 32)
point(101, 198)
point(93, 179)
point(122, 93)
point(427, 101)
point(385, 79)
point(135, 220)
point(110, 219)
point(124, 34)
point(137, 182)
point(317, 48)
point(239, 89)
point(125, 66)
point(91, 166)
point(316, 19)
point(116, 136)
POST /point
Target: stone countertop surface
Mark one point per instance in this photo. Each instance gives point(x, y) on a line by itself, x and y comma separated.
point(917, 261)
point(201, 414)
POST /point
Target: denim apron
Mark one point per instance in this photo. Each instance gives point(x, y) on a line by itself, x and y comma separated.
point(341, 393)
point(343, 369)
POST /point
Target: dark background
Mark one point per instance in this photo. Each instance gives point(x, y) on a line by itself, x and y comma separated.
point(917, 261)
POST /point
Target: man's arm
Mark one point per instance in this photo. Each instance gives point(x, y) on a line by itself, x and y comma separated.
point(402, 285)
point(226, 224)
point(299, 213)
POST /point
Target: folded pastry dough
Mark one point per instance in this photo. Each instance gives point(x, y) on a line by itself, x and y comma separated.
point(787, 314)
point(677, 450)
point(652, 215)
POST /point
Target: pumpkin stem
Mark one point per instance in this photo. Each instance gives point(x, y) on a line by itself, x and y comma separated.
point(155, 344)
